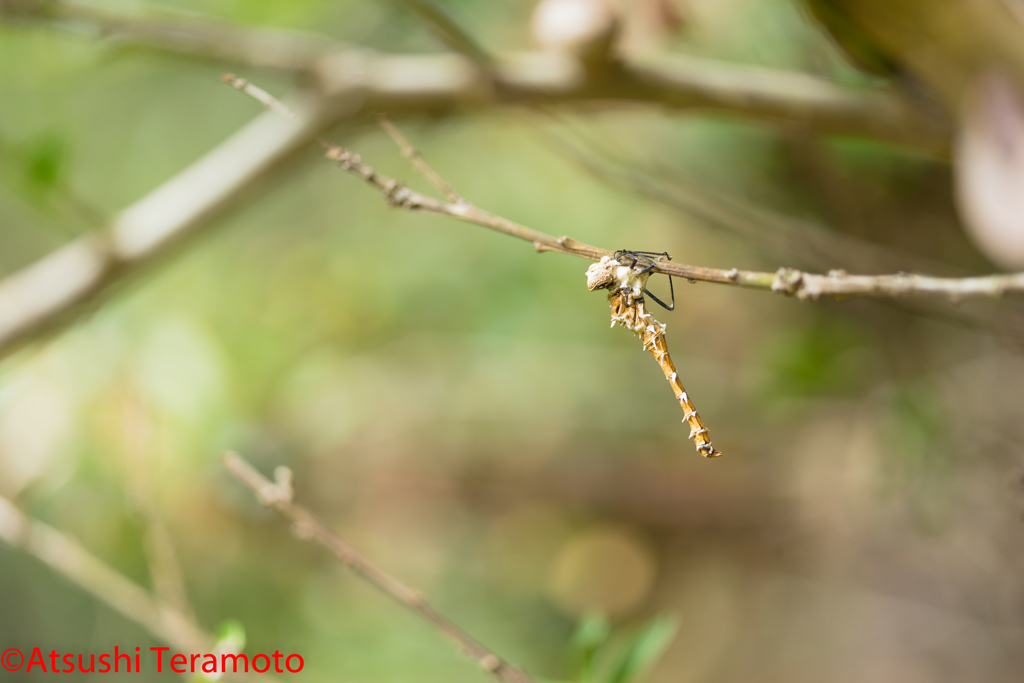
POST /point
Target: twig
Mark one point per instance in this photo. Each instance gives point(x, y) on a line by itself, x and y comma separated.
point(164, 568)
point(399, 195)
point(776, 235)
point(415, 85)
point(413, 155)
point(258, 94)
point(278, 497)
point(68, 558)
point(179, 33)
point(787, 281)
point(59, 287)
point(450, 32)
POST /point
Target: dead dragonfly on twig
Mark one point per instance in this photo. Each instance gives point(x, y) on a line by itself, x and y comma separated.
point(624, 274)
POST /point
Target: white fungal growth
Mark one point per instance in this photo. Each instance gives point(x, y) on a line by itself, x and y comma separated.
point(609, 273)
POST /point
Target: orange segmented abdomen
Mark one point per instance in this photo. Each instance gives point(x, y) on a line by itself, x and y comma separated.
point(630, 311)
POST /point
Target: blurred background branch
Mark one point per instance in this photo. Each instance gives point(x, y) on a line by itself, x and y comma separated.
point(180, 33)
point(449, 32)
point(444, 84)
point(142, 468)
point(278, 495)
point(55, 289)
point(68, 558)
point(788, 281)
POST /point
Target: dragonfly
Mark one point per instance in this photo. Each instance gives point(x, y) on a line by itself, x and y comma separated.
point(650, 261)
point(624, 274)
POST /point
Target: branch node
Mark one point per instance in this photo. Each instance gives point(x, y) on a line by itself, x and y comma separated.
point(341, 156)
point(280, 492)
point(303, 531)
point(415, 597)
point(733, 275)
point(406, 198)
point(390, 186)
point(787, 281)
point(490, 662)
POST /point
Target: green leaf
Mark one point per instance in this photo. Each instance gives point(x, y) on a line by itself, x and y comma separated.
point(44, 161)
point(229, 639)
point(591, 633)
point(230, 636)
point(643, 650)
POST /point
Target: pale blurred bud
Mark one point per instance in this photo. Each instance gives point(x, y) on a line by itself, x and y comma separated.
point(585, 28)
point(989, 169)
point(602, 570)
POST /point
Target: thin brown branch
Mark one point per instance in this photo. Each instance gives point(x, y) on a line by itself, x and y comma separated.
point(792, 100)
point(178, 33)
point(403, 85)
point(450, 32)
point(164, 569)
point(278, 497)
point(68, 558)
point(787, 281)
point(416, 85)
point(413, 155)
point(776, 235)
point(398, 195)
point(75, 563)
point(61, 286)
point(258, 94)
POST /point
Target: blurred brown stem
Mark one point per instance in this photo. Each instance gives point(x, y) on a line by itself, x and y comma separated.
point(413, 155)
point(470, 80)
point(68, 558)
point(277, 496)
point(161, 556)
point(53, 291)
point(178, 33)
point(450, 32)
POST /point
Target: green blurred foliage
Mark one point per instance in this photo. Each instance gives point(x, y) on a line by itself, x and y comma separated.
point(826, 357)
point(593, 659)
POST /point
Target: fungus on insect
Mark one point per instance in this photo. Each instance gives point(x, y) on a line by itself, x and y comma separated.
point(624, 275)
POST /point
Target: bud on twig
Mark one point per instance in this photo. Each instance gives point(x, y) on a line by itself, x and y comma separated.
point(586, 29)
